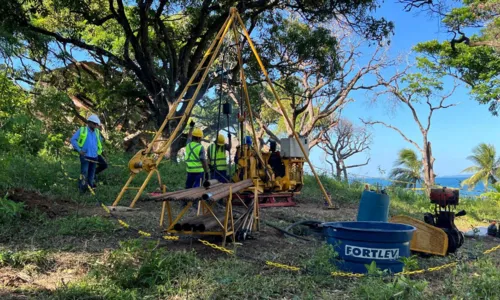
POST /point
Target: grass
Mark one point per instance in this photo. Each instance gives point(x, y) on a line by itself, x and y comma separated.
point(81, 226)
point(143, 269)
point(341, 192)
point(137, 269)
point(58, 176)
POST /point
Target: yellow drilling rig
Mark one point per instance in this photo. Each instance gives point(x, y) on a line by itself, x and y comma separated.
point(273, 173)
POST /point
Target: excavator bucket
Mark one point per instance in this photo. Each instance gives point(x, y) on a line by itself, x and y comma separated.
point(427, 238)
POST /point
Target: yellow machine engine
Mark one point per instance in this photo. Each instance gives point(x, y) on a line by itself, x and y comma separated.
point(277, 171)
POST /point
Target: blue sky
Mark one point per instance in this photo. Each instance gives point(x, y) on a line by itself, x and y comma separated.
point(454, 131)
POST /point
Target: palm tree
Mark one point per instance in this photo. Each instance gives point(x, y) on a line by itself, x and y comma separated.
point(407, 169)
point(486, 166)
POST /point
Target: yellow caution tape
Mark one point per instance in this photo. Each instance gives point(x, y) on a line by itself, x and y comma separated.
point(439, 268)
point(105, 208)
point(411, 272)
point(123, 223)
point(294, 268)
point(206, 243)
point(282, 266)
point(492, 250)
point(344, 274)
point(143, 233)
point(91, 190)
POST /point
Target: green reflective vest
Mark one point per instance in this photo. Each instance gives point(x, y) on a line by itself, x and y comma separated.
point(83, 137)
point(218, 157)
point(193, 162)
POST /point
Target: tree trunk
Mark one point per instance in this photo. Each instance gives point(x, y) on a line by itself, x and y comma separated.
point(339, 172)
point(345, 173)
point(428, 162)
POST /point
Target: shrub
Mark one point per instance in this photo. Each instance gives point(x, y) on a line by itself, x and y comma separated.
point(21, 259)
point(398, 288)
point(9, 209)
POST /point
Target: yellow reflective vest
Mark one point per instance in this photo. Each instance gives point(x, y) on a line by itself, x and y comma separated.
point(83, 137)
point(193, 162)
point(218, 157)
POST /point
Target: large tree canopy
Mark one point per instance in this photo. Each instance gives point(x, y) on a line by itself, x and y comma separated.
point(147, 50)
point(473, 52)
point(160, 42)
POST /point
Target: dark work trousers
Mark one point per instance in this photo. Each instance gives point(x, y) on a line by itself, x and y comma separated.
point(87, 172)
point(101, 164)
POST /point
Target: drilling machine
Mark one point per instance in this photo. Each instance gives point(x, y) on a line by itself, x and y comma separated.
point(437, 234)
point(445, 202)
point(279, 174)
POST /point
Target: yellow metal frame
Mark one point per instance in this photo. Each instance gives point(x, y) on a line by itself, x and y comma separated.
point(226, 225)
point(148, 159)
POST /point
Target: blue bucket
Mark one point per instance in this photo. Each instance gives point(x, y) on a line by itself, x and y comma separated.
point(360, 243)
point(373, 206)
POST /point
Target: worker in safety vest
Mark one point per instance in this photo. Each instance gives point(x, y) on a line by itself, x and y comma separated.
point(217, 159)
point(196, 158)
point(88, 142)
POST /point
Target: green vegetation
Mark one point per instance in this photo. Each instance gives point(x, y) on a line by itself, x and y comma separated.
point(486, 168)
point(127, 62)
point(138, 269)
point(31, 173)
point(474, 58)
point(38, 260)
point(478, 280)
point(77, 226)
point(9, 209)
point(341, 191)
point(408, 169)
point(399, 288)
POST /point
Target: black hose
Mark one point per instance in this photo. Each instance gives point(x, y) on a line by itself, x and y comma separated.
point(310, 223)
point(286, 232)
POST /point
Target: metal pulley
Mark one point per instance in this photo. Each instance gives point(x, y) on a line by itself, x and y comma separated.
point(140, 161)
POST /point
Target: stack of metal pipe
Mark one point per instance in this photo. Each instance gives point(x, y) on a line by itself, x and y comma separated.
point(211, 191)
point(200, 223)
point(243, 225)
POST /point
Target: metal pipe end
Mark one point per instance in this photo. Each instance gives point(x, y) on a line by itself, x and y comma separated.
point(186, 227)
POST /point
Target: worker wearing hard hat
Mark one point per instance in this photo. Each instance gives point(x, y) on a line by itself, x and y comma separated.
point(195, 157)
point(217, 159)
point(88, 142)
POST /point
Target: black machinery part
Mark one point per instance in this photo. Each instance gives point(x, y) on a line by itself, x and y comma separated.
point(446, 221)
point(429, 219)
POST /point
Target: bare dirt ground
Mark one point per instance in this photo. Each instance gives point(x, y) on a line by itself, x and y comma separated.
point(268, 243)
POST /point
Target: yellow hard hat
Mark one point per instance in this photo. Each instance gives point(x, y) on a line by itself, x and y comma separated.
point(198, 133)
point(221, 140)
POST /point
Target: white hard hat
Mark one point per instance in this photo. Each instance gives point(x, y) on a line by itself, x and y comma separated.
point(95, 119)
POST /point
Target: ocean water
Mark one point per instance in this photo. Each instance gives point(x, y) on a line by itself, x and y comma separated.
point(446, 181)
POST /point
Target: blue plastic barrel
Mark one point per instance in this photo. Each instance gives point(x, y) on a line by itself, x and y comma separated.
point(373, 206)
point(360, 243)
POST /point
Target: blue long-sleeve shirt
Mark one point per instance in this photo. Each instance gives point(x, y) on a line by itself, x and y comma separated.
point(90, 145)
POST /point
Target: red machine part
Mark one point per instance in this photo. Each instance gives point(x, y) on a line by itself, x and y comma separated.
point(444, 197)
point(271, 200)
